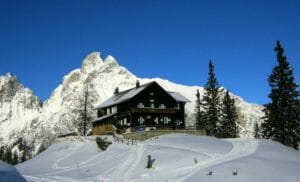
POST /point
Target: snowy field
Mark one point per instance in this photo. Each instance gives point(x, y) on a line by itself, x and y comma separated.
point(178, 157)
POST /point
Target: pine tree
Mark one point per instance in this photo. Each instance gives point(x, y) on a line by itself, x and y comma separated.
point(282, 114)
point(198, 112)
point(23, 156)
point(256, 131)
point(8, 156)
point(23, 149)
point(84, 114)
point(211, 103)
point(15, 158)
point(1, 152)
point(229, 118)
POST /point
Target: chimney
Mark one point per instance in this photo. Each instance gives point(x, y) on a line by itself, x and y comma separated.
point(137, 84)
point(116, 91)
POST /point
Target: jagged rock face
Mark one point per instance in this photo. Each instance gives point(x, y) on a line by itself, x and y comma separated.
point(58, 113)
point(18, 106)
point(9, 87)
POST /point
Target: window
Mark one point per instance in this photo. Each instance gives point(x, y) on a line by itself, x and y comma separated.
point(178, 122)
point(152, 105)
point(108, 111)
point(166, 120)
point(151, 100)
point(156, 120)
point(99, 113)
point(140, 105)
point(177, 106)
point(162, 106)
point(114, 109)
point(141, 120)
point(151, 93)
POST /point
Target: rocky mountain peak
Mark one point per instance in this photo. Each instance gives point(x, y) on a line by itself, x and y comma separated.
point(9, 85)
point(110, 60)
point(91, 62)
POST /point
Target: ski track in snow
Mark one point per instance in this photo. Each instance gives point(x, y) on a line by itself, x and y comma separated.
point(239, 149)
point(84, 164)
point(56, 166)
point(123, 173)
point(125, 170)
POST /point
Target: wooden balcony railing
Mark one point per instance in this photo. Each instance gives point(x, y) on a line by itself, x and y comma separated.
point(154, 110)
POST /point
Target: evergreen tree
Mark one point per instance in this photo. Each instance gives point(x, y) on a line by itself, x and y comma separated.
point(15, 158)
point(256, 131)
point(23, 156)
point(8, 156)
point(24, 150)
point(211, 103)
point(229, 118)
point(84, 114)
point(198, 112)
point(1, 152)
point(282, 114)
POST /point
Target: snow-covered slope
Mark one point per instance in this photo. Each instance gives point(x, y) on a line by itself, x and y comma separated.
point(23, 117)
point(178, 157)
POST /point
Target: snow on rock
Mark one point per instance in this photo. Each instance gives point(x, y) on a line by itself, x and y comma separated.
point(178, 157)
point(91, 62)
point(110, 60)
point(9, 173)
point(22, 115)
point(19, 106)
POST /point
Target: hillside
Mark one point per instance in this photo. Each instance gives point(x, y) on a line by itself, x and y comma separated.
point(75, 159)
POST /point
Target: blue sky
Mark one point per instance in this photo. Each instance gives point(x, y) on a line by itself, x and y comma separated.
point(41, 41)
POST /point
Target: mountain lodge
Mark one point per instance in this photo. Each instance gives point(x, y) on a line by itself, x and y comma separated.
point(147, 104)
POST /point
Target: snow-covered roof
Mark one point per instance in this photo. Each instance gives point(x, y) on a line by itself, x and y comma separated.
point(103, 117)
point(128, 94)
point(122, 96)
point(177, 96)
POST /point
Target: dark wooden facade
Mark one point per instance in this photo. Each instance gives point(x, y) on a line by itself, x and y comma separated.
point(147, 104)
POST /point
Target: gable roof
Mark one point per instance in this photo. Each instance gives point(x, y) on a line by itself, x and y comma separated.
point(178, 97)
point(130, 93)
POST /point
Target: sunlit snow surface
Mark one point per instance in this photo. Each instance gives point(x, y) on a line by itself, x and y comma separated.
point(174, 154)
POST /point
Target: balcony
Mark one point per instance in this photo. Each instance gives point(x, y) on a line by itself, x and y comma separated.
point(154, 110)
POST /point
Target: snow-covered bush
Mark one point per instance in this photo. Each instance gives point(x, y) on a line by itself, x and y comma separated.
point(102, 144)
